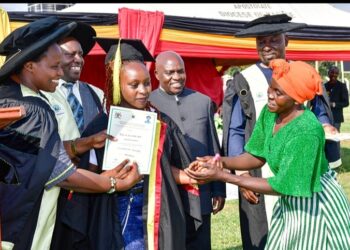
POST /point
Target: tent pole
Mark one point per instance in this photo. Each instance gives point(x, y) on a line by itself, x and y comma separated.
point(342, 70)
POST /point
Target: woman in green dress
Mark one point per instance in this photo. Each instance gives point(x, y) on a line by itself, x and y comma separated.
point(312, 211)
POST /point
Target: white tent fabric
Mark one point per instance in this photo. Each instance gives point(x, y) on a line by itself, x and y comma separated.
point(312, 14)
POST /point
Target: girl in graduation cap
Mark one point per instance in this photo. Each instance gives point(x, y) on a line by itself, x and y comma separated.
point(151, 213)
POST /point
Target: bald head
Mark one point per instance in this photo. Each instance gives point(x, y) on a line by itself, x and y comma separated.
point(168, 55)
point(170, 72)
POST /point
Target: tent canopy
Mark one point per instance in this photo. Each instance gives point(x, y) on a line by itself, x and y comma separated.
point(312, 14)
point(208, 31)
point(205, 37)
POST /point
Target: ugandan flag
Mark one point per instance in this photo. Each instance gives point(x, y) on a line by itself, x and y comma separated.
point(167, 202)
point(155, 189)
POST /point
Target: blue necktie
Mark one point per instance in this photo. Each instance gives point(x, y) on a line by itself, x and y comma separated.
point(76, 107)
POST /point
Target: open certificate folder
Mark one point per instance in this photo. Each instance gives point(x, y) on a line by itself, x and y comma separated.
point(135, 131)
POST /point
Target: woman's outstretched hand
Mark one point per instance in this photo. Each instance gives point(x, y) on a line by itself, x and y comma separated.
point(207, 168)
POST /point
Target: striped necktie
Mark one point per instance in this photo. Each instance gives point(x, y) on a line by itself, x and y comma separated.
point(76, 107)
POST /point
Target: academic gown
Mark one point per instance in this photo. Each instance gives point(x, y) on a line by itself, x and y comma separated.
point(93, 220)
point(30, 146)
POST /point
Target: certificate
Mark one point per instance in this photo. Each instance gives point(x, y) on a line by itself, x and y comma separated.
point(135, 133)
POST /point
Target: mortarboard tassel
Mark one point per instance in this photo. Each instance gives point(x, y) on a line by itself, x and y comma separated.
point(116, 73)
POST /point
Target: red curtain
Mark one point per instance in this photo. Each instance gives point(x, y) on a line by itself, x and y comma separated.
point(143, 25)
point(133, 24)
point(202, 76)
point(146, 26)
point(94, 71)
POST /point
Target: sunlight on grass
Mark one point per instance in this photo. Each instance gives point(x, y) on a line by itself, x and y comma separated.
point(345, 126)
point(344, 170)
point(225, 229)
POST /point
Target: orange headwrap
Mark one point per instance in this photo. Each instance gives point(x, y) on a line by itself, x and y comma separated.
point(298, 79)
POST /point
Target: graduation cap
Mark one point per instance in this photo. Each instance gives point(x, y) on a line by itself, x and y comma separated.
point(131, 49)
point(84, 34)
point(31, 40)
point(269, 25)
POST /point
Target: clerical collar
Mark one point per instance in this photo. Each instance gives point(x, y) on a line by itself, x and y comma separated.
point(176, 98)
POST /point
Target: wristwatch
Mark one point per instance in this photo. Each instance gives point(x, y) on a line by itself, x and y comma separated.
point(113, 185)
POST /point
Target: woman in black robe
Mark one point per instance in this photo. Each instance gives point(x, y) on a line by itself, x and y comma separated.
point(162, 224)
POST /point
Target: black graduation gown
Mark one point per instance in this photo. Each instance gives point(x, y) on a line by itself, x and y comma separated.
point(99, 228)
point(253, 218)
point(30, 147)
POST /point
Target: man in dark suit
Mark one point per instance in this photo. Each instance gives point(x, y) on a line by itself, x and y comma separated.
point(338, 96)
point(193, 113)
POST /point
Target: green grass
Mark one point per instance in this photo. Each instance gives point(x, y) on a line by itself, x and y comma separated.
point(225, 229)
point(225, 225)
point(344, 170)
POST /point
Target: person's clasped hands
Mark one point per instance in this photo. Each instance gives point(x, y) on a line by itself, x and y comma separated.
point(205, 169)
point(127, 175)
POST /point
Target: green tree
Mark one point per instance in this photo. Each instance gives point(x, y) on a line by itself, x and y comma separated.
point(233, 69)
point(323, 68)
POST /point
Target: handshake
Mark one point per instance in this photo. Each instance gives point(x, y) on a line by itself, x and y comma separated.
point(206, 169)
